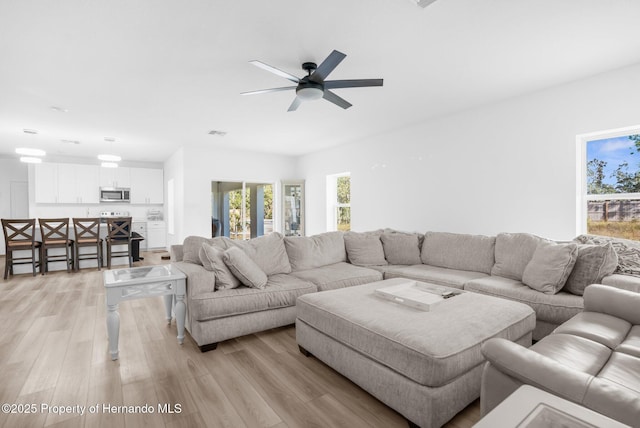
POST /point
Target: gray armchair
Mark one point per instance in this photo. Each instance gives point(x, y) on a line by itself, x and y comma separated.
point(593, 359)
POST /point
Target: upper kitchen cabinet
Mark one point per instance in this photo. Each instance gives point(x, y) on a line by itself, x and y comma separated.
point(78, 184)
point(65, 183)
point(46, 183)
point(115, 177)
point(147, 186)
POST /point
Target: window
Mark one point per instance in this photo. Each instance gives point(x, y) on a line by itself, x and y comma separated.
point(339, 202)
point(611, 184)
point(241, 210)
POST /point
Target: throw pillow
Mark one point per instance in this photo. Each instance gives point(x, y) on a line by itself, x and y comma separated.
point(212, 260)
point(594, 262)
point(308, 252)
point(268, 252)
point(513, 251)
point(364, 249)
point(191, 248)
point(245, 269)
point(550, 267)
point(401, 248)
point(628, 252)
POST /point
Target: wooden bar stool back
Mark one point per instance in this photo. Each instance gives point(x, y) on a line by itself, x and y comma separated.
point(87, 234)
point(55, 234)
point(19, 235)
point(119, 233)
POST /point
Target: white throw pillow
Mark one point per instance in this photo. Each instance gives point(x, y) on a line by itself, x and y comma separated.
point(212, 260)
point(550, 267)
point(243, 268)
point(364, 249)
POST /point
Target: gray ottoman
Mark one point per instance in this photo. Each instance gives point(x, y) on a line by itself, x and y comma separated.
point(425, 365)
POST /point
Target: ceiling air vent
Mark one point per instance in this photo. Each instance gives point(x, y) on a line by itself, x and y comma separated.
point(218, 133)
point(30, 131)
point(423, 3)
point(70, 141)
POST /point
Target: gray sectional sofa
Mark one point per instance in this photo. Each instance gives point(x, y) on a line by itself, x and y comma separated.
point(231, 293)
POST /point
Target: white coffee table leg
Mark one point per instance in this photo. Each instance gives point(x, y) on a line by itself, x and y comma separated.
point(113, 329)
point(181, 311)
point(168, 304)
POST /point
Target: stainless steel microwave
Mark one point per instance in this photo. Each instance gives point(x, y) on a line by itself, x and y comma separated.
point(115, 194)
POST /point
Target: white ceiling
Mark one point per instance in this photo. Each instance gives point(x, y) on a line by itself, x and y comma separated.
point(160, 74)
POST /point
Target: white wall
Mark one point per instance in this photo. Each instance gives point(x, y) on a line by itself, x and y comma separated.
point(174, 169)
point(202, 166)
point(509, 166)
point(10, 170)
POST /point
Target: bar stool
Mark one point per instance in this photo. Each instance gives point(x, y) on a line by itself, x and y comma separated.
point(119, 233)
point(55, 234)
point(87, 234)
point(19, 235)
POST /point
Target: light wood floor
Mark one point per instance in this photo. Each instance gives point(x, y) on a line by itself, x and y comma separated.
point(53, 351)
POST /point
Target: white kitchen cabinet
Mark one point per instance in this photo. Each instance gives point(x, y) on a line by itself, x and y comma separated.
point(140, 227)
point(147, 186)
point(115, 177)
point(156, 234)
point(78, 184)
point(46, 183)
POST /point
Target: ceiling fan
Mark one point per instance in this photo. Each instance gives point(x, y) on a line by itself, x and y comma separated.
point(313, 86)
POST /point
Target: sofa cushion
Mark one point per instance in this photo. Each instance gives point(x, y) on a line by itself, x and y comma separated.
point(623, 369)
point(191, 248)
point(594, 262)
point(554, 309)
point(623, 282)
point(212, 260)
point(401, 248)
point(364, 249)
point(573, 351)
point(513, 252)
point(631, 344)
point(308, 252)
point(281, 291)
point(459, 251)
point(550, 267)
point(628, 252)
point(433, 274)
point(602, 328)
point(268, 252)
point(243, 268)
point(338, 275)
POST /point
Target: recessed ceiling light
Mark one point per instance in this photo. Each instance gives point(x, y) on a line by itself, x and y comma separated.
point(59, 109)
point(109, 165)
point(30, 152)
point(70, 141)
point(27, 159)
point(219, 133)
point(110, 158)
point(30, 131)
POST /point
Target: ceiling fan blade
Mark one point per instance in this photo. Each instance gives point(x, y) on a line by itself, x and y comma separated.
point(358, 83)
point(295, 104)
point(276, 71)
point(327, 66)
point(331, 97)
point(264, 91)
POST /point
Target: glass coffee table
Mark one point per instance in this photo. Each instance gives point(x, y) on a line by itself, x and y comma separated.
point(140, 282)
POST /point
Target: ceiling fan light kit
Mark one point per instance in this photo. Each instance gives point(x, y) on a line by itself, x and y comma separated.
point(313, 86)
